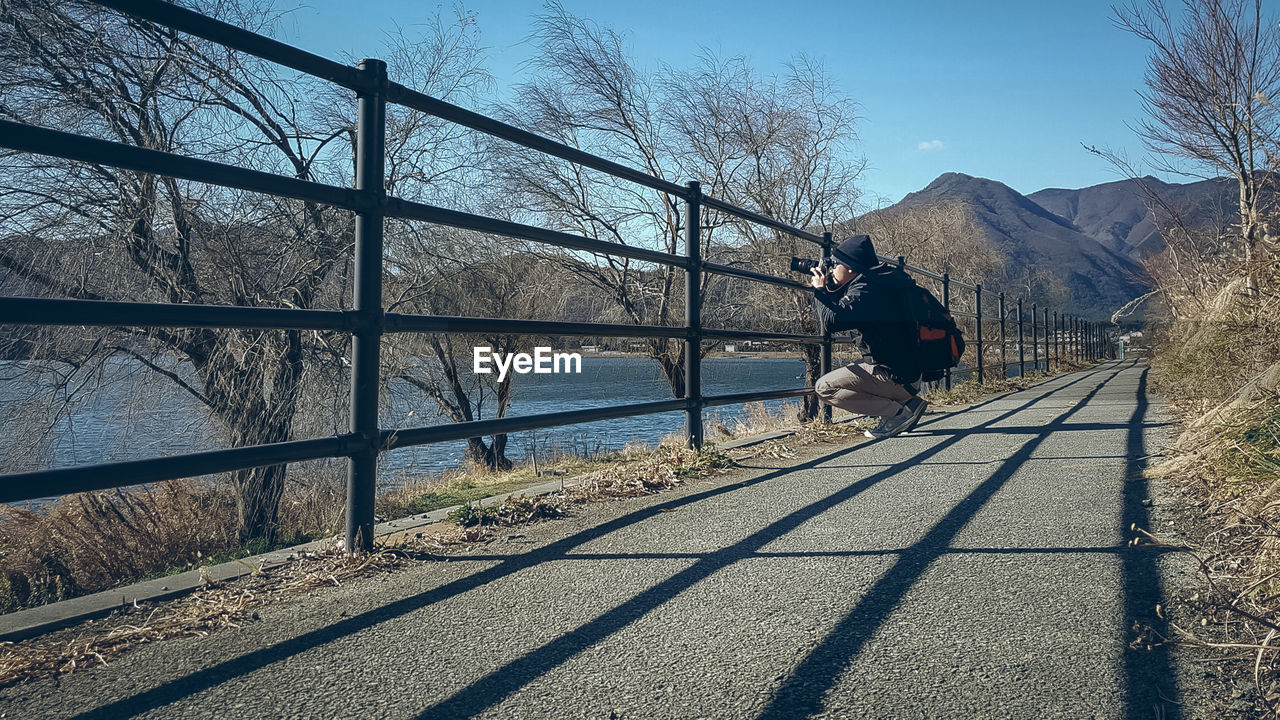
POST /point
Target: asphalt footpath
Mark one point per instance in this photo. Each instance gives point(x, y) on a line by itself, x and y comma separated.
point(976, 567)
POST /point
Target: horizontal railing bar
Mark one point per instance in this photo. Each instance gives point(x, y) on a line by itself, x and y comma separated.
point(84, 478)
point(735, 398)
point(392, 439)
point(755, 217)
point(43, 141)
point(238, 38)
point(454, 218)
point(402, 95)
point(963, 313)
point(397, 322)
point(718, 334)
point(753, 275)
point(50, 311)
point(926, 273)
point(909, 266)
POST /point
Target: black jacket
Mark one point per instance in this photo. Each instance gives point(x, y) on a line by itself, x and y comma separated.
point(875, 304)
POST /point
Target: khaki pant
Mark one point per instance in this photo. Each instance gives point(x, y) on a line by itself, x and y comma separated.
point(862, 389)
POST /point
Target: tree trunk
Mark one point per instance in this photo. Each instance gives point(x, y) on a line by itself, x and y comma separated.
point(811, 408)
point(492, 457)
point(258, 494)
point(671, 364)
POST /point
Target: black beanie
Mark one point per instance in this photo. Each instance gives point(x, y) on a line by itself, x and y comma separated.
point(857, 253)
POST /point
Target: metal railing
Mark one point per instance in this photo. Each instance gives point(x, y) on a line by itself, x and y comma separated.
point(368, 321)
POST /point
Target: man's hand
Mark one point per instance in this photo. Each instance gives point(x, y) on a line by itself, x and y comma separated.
point(818, 279)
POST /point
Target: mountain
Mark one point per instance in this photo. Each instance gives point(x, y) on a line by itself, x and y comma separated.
point(1116, 214)
point(1099, 277)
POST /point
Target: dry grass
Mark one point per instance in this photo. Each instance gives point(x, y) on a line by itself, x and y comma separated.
point(664, 468)
point(1220, 368)
point(88, 542)
point(197, 615)
point(217, 607)
point(420, 494)
point(971, 391)
point(92, 541)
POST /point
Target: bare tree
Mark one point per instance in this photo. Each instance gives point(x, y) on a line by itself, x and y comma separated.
point(452, 273)
point(97, 232)
point(779, 146)
point(587, 94)
point(441, 271)
point(783, 147)
point(1193, 265)
point(1210, 79)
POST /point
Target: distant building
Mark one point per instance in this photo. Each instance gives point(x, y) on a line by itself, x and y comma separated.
point(731, 348)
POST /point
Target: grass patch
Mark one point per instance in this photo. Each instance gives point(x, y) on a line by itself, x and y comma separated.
point(419, 495)
point(1249, 452)
point(666, 467)
point(971, 391)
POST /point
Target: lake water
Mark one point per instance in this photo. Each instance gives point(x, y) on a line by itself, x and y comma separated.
point(137, 416)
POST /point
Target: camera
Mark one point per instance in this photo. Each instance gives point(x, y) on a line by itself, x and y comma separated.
point(805, 266)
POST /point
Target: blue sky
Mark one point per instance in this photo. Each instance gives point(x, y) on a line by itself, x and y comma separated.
point(1004, 90)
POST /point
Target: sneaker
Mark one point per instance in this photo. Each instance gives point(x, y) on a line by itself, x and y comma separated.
point(917, 405)
point(893, 425)
point(878, 430)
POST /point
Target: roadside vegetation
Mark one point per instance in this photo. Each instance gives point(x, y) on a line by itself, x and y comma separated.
point(1213, 320)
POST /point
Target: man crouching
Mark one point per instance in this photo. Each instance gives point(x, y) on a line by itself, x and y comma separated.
point(861, 293)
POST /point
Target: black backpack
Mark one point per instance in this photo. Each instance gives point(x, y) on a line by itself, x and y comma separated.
point(939, 343)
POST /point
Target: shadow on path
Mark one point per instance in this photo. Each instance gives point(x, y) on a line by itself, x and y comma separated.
point(1151, 687)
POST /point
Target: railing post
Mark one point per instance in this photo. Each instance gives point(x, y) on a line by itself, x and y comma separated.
point(693, 316)
point(1004, 354)
point(1046, 340)
point(1075, 338)
point(1022, 355)
point(946, 303)
point(1035, 337)
point(1066, 335)
point(362, 474)
point(1057, 341)
point(825, 357)
point(902, 262)
point(977, 294)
